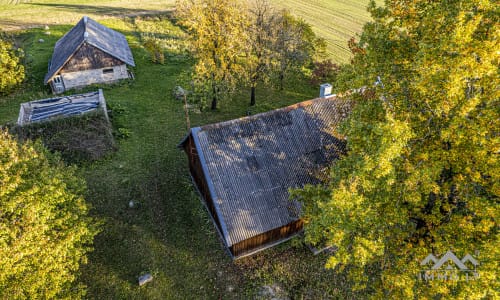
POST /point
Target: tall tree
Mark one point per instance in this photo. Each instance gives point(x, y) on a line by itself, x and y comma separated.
point(295, 44)
point(259, 58)
point(10, 66)
point(45, 232)
point(422, 175)
point(218, 38)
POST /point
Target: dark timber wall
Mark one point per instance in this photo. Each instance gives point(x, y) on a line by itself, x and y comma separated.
point(266, 238)
point(199, 178)
point(88, 57)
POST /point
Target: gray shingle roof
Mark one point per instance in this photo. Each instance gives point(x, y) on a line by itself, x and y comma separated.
point(252, 162)
point(95, 34)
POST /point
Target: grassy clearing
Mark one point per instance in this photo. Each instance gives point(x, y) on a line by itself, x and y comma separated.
point(168, 233)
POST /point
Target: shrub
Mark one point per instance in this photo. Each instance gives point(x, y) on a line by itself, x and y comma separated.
point(45, 232)
point(155, 50)
point(323, 72)
point(11, 69)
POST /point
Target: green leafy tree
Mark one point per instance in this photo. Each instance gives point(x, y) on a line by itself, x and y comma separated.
point(45, 232)
point(260, 46)
point(422, 173)
point(295, 45)
point(11, 69)
point(218, 39)
point(324, 71)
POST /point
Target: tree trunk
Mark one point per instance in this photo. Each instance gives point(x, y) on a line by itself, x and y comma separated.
point(214, 103)
point(282, 78)
point(252, 96)
point(214, 97)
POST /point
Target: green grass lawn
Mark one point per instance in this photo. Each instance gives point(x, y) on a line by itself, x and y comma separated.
point(169, 234)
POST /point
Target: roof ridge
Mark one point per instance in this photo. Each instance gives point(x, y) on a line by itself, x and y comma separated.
point(291, 107)
point(85, 25)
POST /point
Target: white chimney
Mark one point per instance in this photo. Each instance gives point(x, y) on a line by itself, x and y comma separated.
point(325, 90)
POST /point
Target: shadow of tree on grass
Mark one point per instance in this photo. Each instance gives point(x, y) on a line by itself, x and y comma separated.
point(104, 10)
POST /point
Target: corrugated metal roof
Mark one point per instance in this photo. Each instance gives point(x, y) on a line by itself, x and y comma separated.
point(252, 162)
point(66, 106)
point(95, 34)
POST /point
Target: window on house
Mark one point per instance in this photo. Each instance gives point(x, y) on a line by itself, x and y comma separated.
point(107, 71)
point(57, 79)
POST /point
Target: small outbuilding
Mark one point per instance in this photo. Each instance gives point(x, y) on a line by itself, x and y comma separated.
point(61, 107)
point(89, 53)
point(76, 126)
point(244, 168)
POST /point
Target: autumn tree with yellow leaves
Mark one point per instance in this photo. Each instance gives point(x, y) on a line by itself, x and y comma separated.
point(217, 31)
point(11, 68)
point(243, 42)
point(45, 230)
point(422, 172)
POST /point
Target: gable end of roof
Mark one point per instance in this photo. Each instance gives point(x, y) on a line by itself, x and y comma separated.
point(95, 34)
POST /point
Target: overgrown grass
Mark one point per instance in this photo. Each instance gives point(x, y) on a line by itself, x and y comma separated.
point(168, 233)
point(82, 138)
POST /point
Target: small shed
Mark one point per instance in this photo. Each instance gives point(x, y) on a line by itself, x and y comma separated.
point(61, 107)
point(89, 53)
point(244, 168)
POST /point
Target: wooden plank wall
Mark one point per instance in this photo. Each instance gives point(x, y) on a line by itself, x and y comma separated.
point(197, 173)
point(88, 57)
point(269, 237)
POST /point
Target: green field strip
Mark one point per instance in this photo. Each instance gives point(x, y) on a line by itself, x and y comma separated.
point(334, 20)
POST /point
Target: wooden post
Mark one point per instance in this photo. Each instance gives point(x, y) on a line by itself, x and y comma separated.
point(186, 111)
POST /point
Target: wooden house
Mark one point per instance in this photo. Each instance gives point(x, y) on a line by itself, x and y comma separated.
point(89, 53)
point(244, 169)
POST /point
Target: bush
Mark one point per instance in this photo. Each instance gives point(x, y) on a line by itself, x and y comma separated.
point(324, 72)
point(155, 50)
point(45, 232)
point(11, 69)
